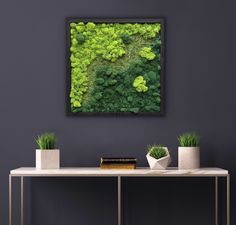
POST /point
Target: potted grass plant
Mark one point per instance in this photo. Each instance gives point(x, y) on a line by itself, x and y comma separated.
point(188, 151)
point(158, 157)
point(47, 157)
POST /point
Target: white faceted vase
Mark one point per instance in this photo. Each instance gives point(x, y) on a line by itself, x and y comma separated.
point(48, 159)
point(189, 157)
point(159, 164)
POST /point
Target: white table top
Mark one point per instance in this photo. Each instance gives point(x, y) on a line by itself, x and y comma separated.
point(96, 171)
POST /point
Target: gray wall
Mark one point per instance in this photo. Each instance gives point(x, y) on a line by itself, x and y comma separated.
point(200, 84)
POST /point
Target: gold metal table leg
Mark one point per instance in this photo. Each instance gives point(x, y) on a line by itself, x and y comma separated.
point(228, 199)
point(119, 201)
point(216, 200)
point(10, 200)
point(22, 200)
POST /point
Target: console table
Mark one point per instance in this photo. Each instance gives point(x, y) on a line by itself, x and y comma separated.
point(97, 172)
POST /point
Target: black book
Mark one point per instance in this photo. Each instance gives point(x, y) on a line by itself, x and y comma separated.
point(117, 160)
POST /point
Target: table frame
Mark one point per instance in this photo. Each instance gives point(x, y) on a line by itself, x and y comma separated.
point(119, 192)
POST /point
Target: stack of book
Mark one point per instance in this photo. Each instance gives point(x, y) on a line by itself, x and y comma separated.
point(118, 163)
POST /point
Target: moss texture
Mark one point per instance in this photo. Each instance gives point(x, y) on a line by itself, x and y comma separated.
point(115, 67)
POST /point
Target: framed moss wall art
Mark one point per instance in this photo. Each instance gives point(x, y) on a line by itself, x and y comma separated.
point(115, 66)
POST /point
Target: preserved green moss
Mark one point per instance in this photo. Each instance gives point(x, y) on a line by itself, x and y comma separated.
point(140, 84)
point(147, 53)
point(105, 60)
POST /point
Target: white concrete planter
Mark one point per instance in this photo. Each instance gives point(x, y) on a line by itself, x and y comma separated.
point(189, 157)
point(48, 159)
point(159, 164)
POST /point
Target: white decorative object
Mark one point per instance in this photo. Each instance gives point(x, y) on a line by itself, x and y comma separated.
point(159, 164)
point(189, 157)
point(48, 159)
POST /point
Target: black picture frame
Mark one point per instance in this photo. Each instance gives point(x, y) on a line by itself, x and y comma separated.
point(160, 20)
